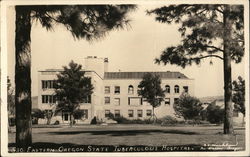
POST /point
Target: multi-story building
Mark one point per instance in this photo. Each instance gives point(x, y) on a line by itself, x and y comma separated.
point(114, 92)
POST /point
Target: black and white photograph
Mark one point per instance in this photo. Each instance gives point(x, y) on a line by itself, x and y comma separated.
point(119, 78)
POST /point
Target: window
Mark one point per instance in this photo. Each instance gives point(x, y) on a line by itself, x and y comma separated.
point(134, 101)
point(117, 113)
point(66, 116)
point(107, 113)
point(87, 99)
point(44, 98)
point(130, 89)
point(44, 84)
point(117, 89)
point(48, 99)
point(176, 89)
point(48, 84)
point(117, 101)
point(176, 100)
point(130, 113)
point(185, 89)
point(106, 89)
point(144, 101)
point(167, 89)
point(107, 100)
point(139, 113)
point(167, 101)
point(149, 113)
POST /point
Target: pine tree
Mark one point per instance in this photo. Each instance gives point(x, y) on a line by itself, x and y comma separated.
point(83, 21)
point(207, 31)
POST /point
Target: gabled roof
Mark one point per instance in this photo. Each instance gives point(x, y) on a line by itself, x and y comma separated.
point(139, 75)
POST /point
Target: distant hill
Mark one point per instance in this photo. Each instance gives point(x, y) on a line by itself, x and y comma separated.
point(211, 98)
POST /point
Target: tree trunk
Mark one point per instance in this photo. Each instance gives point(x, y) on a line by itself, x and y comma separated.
point(23, 78)
point(71, 120)
point(154, 116)
point(228, 114)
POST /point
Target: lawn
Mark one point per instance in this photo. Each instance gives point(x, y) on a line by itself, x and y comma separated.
point(134, 135)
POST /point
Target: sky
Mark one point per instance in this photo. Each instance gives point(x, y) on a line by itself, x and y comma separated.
point(130, 49)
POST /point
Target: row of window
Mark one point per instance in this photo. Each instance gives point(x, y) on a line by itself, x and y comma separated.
point(48, 84)
point(84, 114)
point(131, 89)
point(48, 99)
point(135, 101)
point(52, 84)
point(130, 113)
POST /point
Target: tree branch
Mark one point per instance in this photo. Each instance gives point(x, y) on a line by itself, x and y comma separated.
point(87, 32)
point(219, 10)
point(202, 57)
point(52, 18)
point(216, 48)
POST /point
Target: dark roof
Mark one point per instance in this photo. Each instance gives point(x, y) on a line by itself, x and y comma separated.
point(139, 75)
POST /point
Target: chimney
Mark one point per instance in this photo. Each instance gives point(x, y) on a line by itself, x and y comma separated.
point(106, 63)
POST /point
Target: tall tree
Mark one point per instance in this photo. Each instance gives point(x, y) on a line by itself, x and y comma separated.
point(239, 95)
point(150, 89)
point(207, 31)
point(83, 21)
point(72, 89)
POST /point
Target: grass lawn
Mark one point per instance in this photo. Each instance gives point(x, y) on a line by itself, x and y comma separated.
point(134, 135)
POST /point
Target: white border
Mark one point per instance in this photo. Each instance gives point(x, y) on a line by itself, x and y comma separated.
point(4, 51)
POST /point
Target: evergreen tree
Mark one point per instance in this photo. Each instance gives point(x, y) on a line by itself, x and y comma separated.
point(83, 21)
point(188, 107)
point(239, 95)
point(207, 31)
point(214, 114)
point(151, 90)
point(72, 88)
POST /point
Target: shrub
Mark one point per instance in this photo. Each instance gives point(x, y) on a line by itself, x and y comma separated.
point(93, 121)
point(78, 114)
point(121, 120)
point(34, 121)
point(57, 122)
point(215, 114)
point(37, 113)
point(168, 120)
point(188, 107)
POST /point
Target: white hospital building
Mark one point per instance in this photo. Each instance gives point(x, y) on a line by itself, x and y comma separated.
point(114, 92)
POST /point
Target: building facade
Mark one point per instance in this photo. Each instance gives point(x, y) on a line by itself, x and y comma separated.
point(114, 92)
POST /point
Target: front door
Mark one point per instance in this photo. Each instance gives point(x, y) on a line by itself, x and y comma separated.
point(66, 117)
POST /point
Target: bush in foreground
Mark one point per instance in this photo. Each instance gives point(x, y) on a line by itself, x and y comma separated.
point(215, 114)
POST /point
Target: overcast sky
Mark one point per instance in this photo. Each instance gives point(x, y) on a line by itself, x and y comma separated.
point(131, 49)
